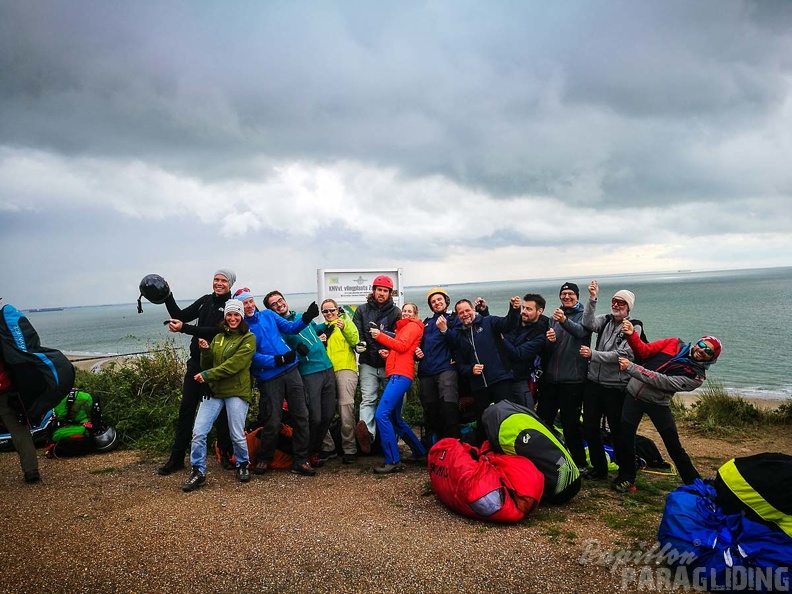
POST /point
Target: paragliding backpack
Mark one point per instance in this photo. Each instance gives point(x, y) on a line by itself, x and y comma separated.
point(72, 431)
point(760, 487)
point(41, 375)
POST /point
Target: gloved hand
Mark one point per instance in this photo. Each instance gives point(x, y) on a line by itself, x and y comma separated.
point(286, 358)
point(360, 347)
point(302, 349)
point(310, 313)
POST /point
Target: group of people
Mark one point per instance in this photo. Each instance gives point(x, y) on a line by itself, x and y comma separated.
point(542, 362)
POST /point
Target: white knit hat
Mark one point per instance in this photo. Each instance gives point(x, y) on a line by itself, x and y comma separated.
point(234, 305)
point(627, 296)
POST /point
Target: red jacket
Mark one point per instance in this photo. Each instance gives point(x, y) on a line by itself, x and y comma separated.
point(401, 360)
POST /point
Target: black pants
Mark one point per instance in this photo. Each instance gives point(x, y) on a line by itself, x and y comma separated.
point(191, 398)
point(663, 420)
point(483, 398)
point(440, 402)
point(568, 399)
point(599, 400)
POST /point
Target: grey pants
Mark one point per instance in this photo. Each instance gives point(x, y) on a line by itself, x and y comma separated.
point(20, 434)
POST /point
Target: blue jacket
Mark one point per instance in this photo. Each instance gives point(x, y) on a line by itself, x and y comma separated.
point(524, 345)
point(480, 344)
point(267, 326)
point(437, 354)
point(316, 360)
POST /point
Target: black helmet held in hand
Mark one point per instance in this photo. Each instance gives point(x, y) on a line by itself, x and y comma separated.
point(154, 288)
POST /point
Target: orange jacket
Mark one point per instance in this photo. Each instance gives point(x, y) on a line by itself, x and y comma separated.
point(401, 360)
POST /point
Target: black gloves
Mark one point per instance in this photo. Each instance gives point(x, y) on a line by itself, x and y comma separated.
point(310, 313)
point(302, 349)
point(285, 359)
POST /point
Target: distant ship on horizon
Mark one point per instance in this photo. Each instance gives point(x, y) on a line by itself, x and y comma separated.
point(43, 309)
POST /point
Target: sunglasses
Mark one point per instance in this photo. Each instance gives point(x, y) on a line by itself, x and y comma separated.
point(618, 303)
point(329, 310)
point(703, 346)
point(240, 291)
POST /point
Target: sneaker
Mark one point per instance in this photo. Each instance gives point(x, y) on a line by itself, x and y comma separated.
point(197, 478)
point(260, 468)
point(315, 461)
point(388, 469)
point(225, 462)
point(348, 459)
point(324, 456)
point(623, 485)
point(364, 437)
point(243, 473)
point(171, 466)
point(32, 476)
point(592, 474)
point(303, 469)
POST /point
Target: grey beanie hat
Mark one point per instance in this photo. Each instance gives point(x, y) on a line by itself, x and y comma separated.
point(228, 273)
point(235, 306)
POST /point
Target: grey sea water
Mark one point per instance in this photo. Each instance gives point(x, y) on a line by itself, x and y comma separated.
point(747, 309)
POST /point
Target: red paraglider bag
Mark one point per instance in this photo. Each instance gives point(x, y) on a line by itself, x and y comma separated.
point(481, 484)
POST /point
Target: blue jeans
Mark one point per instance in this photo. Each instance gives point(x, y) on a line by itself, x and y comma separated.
point(370, 380)
point(236, 410)
point(390, 422)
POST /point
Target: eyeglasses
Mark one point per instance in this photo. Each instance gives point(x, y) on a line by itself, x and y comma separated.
point(329, 310)
point(703, 346)
point(277, 302)
point(618, 303)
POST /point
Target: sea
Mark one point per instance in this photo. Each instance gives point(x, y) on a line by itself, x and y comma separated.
point(746, 309)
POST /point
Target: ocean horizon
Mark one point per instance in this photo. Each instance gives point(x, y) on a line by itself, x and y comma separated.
point(744, 308)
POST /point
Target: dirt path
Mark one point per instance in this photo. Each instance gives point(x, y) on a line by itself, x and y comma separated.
point(110, 523)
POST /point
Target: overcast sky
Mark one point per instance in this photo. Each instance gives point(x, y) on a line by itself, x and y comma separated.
point(460, 141)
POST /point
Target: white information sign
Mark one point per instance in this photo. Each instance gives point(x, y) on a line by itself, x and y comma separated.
point(353, 286)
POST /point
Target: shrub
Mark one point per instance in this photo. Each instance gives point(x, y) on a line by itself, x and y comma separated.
point(140, 396)
point(719, 413)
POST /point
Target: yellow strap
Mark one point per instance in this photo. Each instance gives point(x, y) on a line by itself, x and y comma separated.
point(752, 498)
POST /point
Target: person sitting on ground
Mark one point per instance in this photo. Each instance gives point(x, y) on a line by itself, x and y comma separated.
point(225, 365)
point(669, 366)
point(400, 369)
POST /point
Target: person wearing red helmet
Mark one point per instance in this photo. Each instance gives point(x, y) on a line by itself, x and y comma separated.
point(669, 366)
point(378, 312)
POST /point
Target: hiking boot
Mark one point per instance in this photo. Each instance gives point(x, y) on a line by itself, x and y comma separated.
point(416, 459)
point(364, 437)
point(32, 476)
point(171, 466)
point(197, 478)
point(388, 469)
point(315, 461)
point(303, 469)
point(324, 456)
point(623, 485)
point(260, 468)
point(225, 462)
point(592, 474)
point(348, 459)
point(243, 473)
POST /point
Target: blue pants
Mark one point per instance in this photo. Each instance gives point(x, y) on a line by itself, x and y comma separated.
point(209, 409)
point(390, 422)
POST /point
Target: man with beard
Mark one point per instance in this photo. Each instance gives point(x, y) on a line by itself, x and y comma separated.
point(379, 312)
point(525, 346)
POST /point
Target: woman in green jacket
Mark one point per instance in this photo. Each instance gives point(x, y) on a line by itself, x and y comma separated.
point(226, 372)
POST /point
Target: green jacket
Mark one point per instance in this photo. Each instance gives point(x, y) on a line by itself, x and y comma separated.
point(226, 364)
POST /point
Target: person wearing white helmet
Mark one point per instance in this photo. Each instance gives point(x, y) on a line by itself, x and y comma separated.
point(378, 312)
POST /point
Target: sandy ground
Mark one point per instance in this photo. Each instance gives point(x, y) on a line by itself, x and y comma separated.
point(108, 522)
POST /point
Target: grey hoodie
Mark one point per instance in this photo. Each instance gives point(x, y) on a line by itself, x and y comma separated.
point(604, 366)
